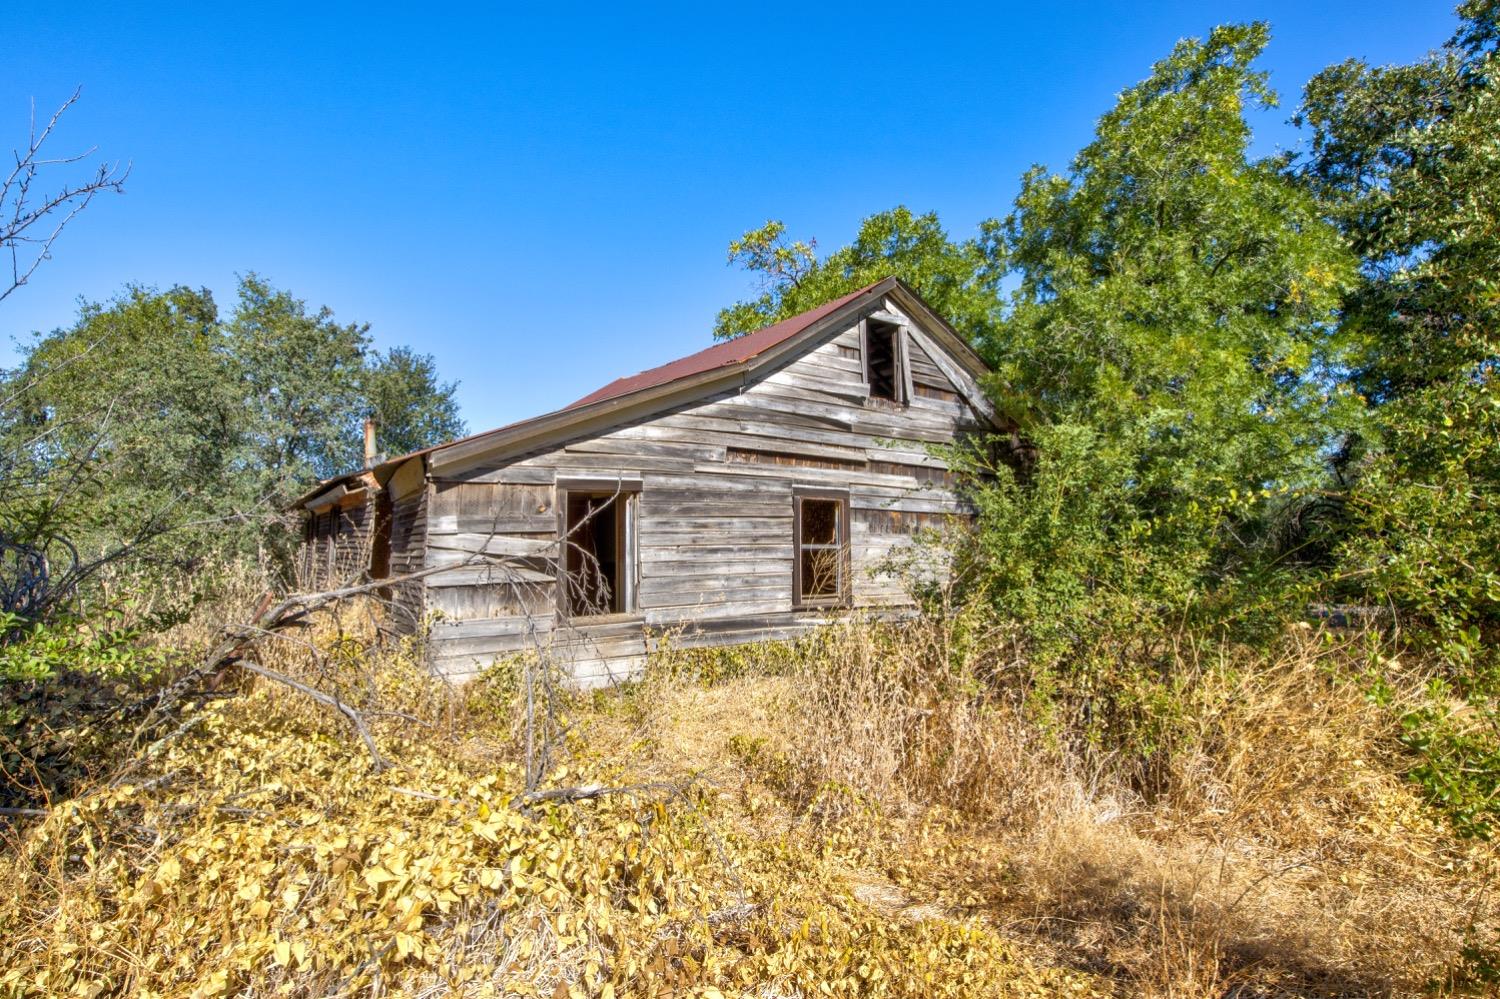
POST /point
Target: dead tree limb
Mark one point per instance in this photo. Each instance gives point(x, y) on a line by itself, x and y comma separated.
point(31, 220)
point(356, 720)
point(589, 792)
point(273, 617)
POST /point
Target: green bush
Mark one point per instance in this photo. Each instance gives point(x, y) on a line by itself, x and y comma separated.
point(1455, 739)
point(105, 647)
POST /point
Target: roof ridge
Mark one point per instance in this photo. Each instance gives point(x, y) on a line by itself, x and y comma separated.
point(728, 353)
point(736, 350)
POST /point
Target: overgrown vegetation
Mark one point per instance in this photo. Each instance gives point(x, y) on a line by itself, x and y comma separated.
point(1251, 388)
point(880, 810)
point(156, 438)
point(1209, 706)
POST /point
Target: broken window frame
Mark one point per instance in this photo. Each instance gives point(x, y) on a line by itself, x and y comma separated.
point(842, 597)
point(624, 497)
point(871, 328)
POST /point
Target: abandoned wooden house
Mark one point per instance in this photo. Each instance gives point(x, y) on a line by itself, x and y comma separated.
point(747, 492)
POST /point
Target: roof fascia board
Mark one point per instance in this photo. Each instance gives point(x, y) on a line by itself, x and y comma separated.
point(938, 327)
point(933, 331)
point(566, 424)
point(327, 497)
point(967, 385)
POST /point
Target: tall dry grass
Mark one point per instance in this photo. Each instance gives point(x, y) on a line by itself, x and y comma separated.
point(1265, 842)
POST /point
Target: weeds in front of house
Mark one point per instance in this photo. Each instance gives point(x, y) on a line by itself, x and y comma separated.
point(879, 809)
point(254, 848)
point(1245, 821)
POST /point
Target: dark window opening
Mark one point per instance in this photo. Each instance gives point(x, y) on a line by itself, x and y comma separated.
point(822, 543)
point(883, 360)
point(600, 543)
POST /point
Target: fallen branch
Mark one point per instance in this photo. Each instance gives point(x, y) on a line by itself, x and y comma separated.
point(328, 700)
point(588, 792)
point(425, 795)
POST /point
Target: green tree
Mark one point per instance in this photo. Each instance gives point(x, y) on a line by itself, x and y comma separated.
point(116, 429)
point(412, 408)
point(302, 376)
point(1407, 164)
point(157, 432)
point(1177, 298)
point(1173, 288)
point(957, 279)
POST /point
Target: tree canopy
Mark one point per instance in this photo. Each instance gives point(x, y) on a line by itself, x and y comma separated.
point(955, 277)
point(1406, 161)
point(155, 413)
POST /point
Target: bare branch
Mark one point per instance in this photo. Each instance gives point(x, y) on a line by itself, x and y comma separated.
point(30, 220)
point(328, 700)
point(589, 792)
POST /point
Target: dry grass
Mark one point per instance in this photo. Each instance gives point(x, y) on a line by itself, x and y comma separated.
point(881, 809)
point(257, 851)
point(1269, 846)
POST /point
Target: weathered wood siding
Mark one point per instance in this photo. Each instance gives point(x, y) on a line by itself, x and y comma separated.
point(715, 546)
point(335, 544)
point(408, 555)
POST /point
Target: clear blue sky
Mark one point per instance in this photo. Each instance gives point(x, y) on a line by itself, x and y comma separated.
point(542, 201)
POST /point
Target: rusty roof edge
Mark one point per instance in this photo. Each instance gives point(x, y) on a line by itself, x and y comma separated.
point(516, 436)
point(454, 453)
point(614, 410)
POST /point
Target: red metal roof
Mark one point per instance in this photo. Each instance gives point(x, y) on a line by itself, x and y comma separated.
point(720, 355)
point(736, 351)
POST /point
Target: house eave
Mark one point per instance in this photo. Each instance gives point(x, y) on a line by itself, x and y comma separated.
point(570, 423)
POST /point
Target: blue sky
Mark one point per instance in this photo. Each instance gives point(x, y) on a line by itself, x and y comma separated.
point(542, 200)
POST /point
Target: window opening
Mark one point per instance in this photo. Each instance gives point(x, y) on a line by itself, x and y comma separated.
point(600, 544)
point(883, 360)
point(822, 546)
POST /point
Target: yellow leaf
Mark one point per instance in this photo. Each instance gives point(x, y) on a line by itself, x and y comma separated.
point(283, 953)
point(377, 876)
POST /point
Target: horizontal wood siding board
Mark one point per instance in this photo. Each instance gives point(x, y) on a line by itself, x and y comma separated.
point(747, 435)
point(676, 616)
point(481, 524)
point(638, 448)
point(508, 474)
point(681, 561)
point(445, 631)
point(487, 575)
point(715, 589)
point(496, 544)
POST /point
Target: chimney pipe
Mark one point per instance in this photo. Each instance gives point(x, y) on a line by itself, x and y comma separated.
point(370, 441)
